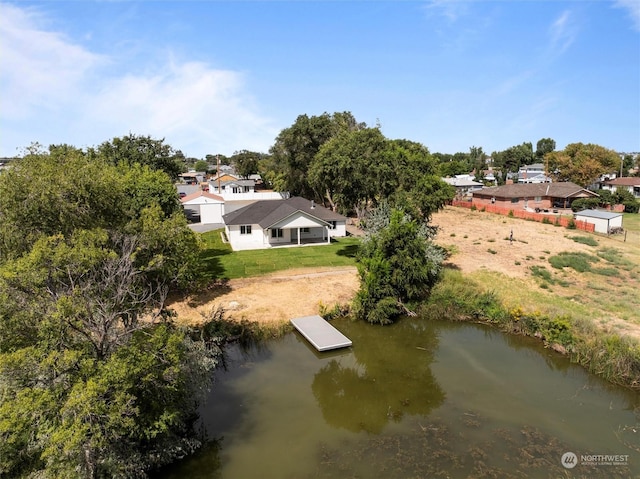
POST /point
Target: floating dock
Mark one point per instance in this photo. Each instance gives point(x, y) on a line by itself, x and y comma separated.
point(320, 333)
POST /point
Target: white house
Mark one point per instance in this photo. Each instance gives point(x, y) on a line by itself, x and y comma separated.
point(243, 190)
point(603, 220)
point(210, 206)
point(533, 174)
point(464, 184)
point(629, 183)
point(292, 221)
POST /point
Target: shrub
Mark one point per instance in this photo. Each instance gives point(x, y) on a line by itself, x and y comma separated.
point(588, 240)
point(572, 224)
point(581, 262)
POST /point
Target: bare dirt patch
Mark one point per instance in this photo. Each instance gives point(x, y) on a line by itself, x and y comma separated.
point(481, 241)
point(274, 298)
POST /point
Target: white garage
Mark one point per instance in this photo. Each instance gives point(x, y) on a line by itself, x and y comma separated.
point(210, 206)
point(603, 220)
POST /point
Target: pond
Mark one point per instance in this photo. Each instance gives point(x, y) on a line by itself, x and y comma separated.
point(416, 399)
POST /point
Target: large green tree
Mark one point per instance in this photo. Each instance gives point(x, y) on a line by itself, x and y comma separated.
point(582, 163)
point(511, 159)
point(398, 264)
point(95, 379)
point(349, 169)
point(415, 185)
point(296, 146)
point(143, 150)
point(544, 146)
point(247, 162)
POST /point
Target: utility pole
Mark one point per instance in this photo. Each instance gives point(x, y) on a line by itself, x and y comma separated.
point(218, 173)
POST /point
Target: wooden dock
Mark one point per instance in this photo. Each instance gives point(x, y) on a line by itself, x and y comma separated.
point(320, 333)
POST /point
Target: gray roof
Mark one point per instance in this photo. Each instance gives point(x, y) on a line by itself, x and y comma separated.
point(237, 182)
point(601, 214)
point(461, 182)
point(553, 190)
point(269, 212)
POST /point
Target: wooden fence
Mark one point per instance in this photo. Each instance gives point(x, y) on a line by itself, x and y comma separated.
point(529, 215)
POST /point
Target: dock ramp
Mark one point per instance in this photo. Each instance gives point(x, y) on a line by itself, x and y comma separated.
point(320, 333)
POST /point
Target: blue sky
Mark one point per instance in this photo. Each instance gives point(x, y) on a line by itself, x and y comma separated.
point(221, 76)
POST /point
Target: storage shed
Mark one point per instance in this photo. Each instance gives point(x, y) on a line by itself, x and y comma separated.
point(209, 206)
point(603, 220)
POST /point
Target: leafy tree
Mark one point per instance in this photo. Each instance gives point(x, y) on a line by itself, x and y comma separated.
point(398, 264)
point(478, 159)
point(348, 169)
point(415, 185)
point(582, 163)
point(246, 162)
point(511, 159)
point(201, 165)
point(544, 146)
point(296, 146)
point(144, 150)
point(63, 190)
point(95, 379)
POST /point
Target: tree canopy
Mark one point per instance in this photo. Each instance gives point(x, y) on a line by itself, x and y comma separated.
point(582, 163)
point(296, 146)
point(143, 150)
point(95, 378)
point(398, 265)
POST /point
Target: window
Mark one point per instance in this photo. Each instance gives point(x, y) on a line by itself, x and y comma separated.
point(237, 189)
point(304, 230)
point(538, 199)
point(333, 224)
point(245, 229)
point(515, 200)
point(276, 233)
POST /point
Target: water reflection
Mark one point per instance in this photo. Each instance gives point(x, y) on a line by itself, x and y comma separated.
point(418, 399)
point(388, 378)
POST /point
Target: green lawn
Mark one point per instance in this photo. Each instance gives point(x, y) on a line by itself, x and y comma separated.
point(221, 262)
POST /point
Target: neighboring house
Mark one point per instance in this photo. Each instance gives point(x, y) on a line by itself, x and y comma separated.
point(210, 207)
point(234, 186)
point(629, 183)
point(193, 177)
point(604, 221)
point(464, 186)
point(292, 221)
point(532, 195)
point(533, 174)
point(223, 177)
point(243, 190)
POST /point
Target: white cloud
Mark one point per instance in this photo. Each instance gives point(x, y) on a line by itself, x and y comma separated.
point(53, 90)
point(450, 9)
point(40, 69)
point(197, 109)
point(563, 32)
point(633, 9)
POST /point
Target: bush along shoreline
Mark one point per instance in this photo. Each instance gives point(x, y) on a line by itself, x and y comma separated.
point(610, 356)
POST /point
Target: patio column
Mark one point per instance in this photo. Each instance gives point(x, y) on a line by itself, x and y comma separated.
point(298, 235)
point(328, 237)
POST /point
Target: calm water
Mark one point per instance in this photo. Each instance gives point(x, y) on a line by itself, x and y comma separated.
point(417, 399)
